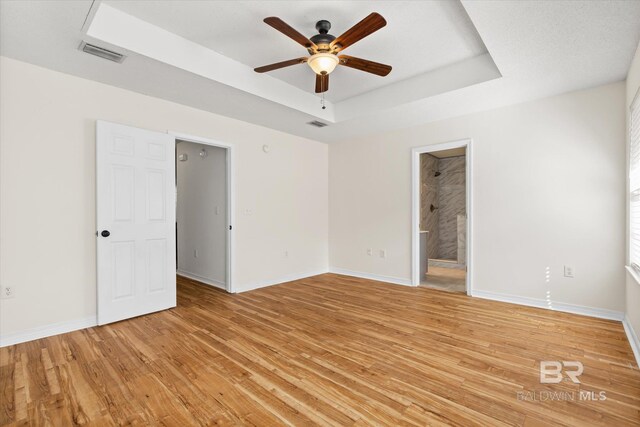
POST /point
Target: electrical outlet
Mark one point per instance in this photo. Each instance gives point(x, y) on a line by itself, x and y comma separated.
point(369, 252)
point(568, 271)
point(195, 253)
point(286, 254)
point(383, 253)
point(7, 292)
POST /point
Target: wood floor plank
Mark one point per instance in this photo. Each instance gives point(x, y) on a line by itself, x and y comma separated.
point(327, 350)
point(7, 394)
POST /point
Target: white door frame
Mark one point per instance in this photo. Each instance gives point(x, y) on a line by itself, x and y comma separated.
point(230, 197)
point(415, 205)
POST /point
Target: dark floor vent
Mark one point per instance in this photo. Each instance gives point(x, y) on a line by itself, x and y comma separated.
point(102, 52)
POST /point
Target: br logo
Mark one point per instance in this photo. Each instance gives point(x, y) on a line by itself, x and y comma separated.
point(553, 372)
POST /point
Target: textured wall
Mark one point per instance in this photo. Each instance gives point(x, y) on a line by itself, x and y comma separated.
point(451, 203)
point(428, 196)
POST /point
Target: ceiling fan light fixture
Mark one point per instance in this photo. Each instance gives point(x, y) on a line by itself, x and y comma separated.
point(323, 62)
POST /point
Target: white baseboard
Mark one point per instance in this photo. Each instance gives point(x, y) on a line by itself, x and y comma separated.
point(283, 279)
point(387, 279)
point(47, 331)
point(633, 339)
point(556, 306)
point(74, 325)
point(210, 282)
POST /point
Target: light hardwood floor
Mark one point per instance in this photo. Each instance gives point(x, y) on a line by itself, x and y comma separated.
point(328, 350)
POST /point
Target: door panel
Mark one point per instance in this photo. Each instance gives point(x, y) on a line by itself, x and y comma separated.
point(156, 197)
point(124, 267)
point(136, 205)
point(156, 255)
point(123, 194)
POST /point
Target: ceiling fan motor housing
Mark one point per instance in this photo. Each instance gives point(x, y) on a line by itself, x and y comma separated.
point(323, 39)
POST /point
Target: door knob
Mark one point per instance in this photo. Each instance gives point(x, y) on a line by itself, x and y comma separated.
point(105, 233)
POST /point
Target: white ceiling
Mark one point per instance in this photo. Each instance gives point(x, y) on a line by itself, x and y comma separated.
point(541, 48)
point(419, 36)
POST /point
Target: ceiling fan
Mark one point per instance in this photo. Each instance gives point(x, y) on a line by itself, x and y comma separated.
point(324, 49)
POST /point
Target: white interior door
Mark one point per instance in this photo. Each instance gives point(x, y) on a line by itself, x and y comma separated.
point(135, 185)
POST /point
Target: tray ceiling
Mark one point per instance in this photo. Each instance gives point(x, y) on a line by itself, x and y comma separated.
point(449, 58)
point(419, 36)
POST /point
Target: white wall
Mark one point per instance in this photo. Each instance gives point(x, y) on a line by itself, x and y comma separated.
point(47, 190)
point(548, 182)
point(633, 287)
point(548, 186)
point(202, 212)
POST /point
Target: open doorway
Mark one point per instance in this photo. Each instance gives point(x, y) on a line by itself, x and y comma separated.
point(441, 216)
point(203, 212)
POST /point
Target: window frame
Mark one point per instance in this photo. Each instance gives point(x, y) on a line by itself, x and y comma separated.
point(633, 182)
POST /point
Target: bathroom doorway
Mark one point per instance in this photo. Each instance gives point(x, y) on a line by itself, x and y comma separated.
point(441, 216)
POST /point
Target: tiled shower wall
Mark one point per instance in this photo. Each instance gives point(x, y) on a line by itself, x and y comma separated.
point(451, 200)
point(428, 196)
point(448, 193)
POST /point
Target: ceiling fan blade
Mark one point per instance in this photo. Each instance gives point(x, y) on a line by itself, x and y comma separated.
point(288, 31)
point(282, 64)
point(322, 83)
point(365, 65)
point(362, 29)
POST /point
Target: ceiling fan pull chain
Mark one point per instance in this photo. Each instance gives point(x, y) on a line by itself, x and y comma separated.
point(322, 101)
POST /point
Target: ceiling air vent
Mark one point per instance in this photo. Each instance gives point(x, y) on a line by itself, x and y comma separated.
point(317, 124)
point(101, 52)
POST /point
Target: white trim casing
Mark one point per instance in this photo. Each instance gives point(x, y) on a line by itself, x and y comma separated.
point(214, 283)
point(281, 280)
point(600, 313)
point(74, 325)
point(512, 299)
point(628, 115)
point(415, 205)
point(88, 322)
point(633, 274)
point(376, 277)
point(634, 341)
point(231, 196)
point(47, 331)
